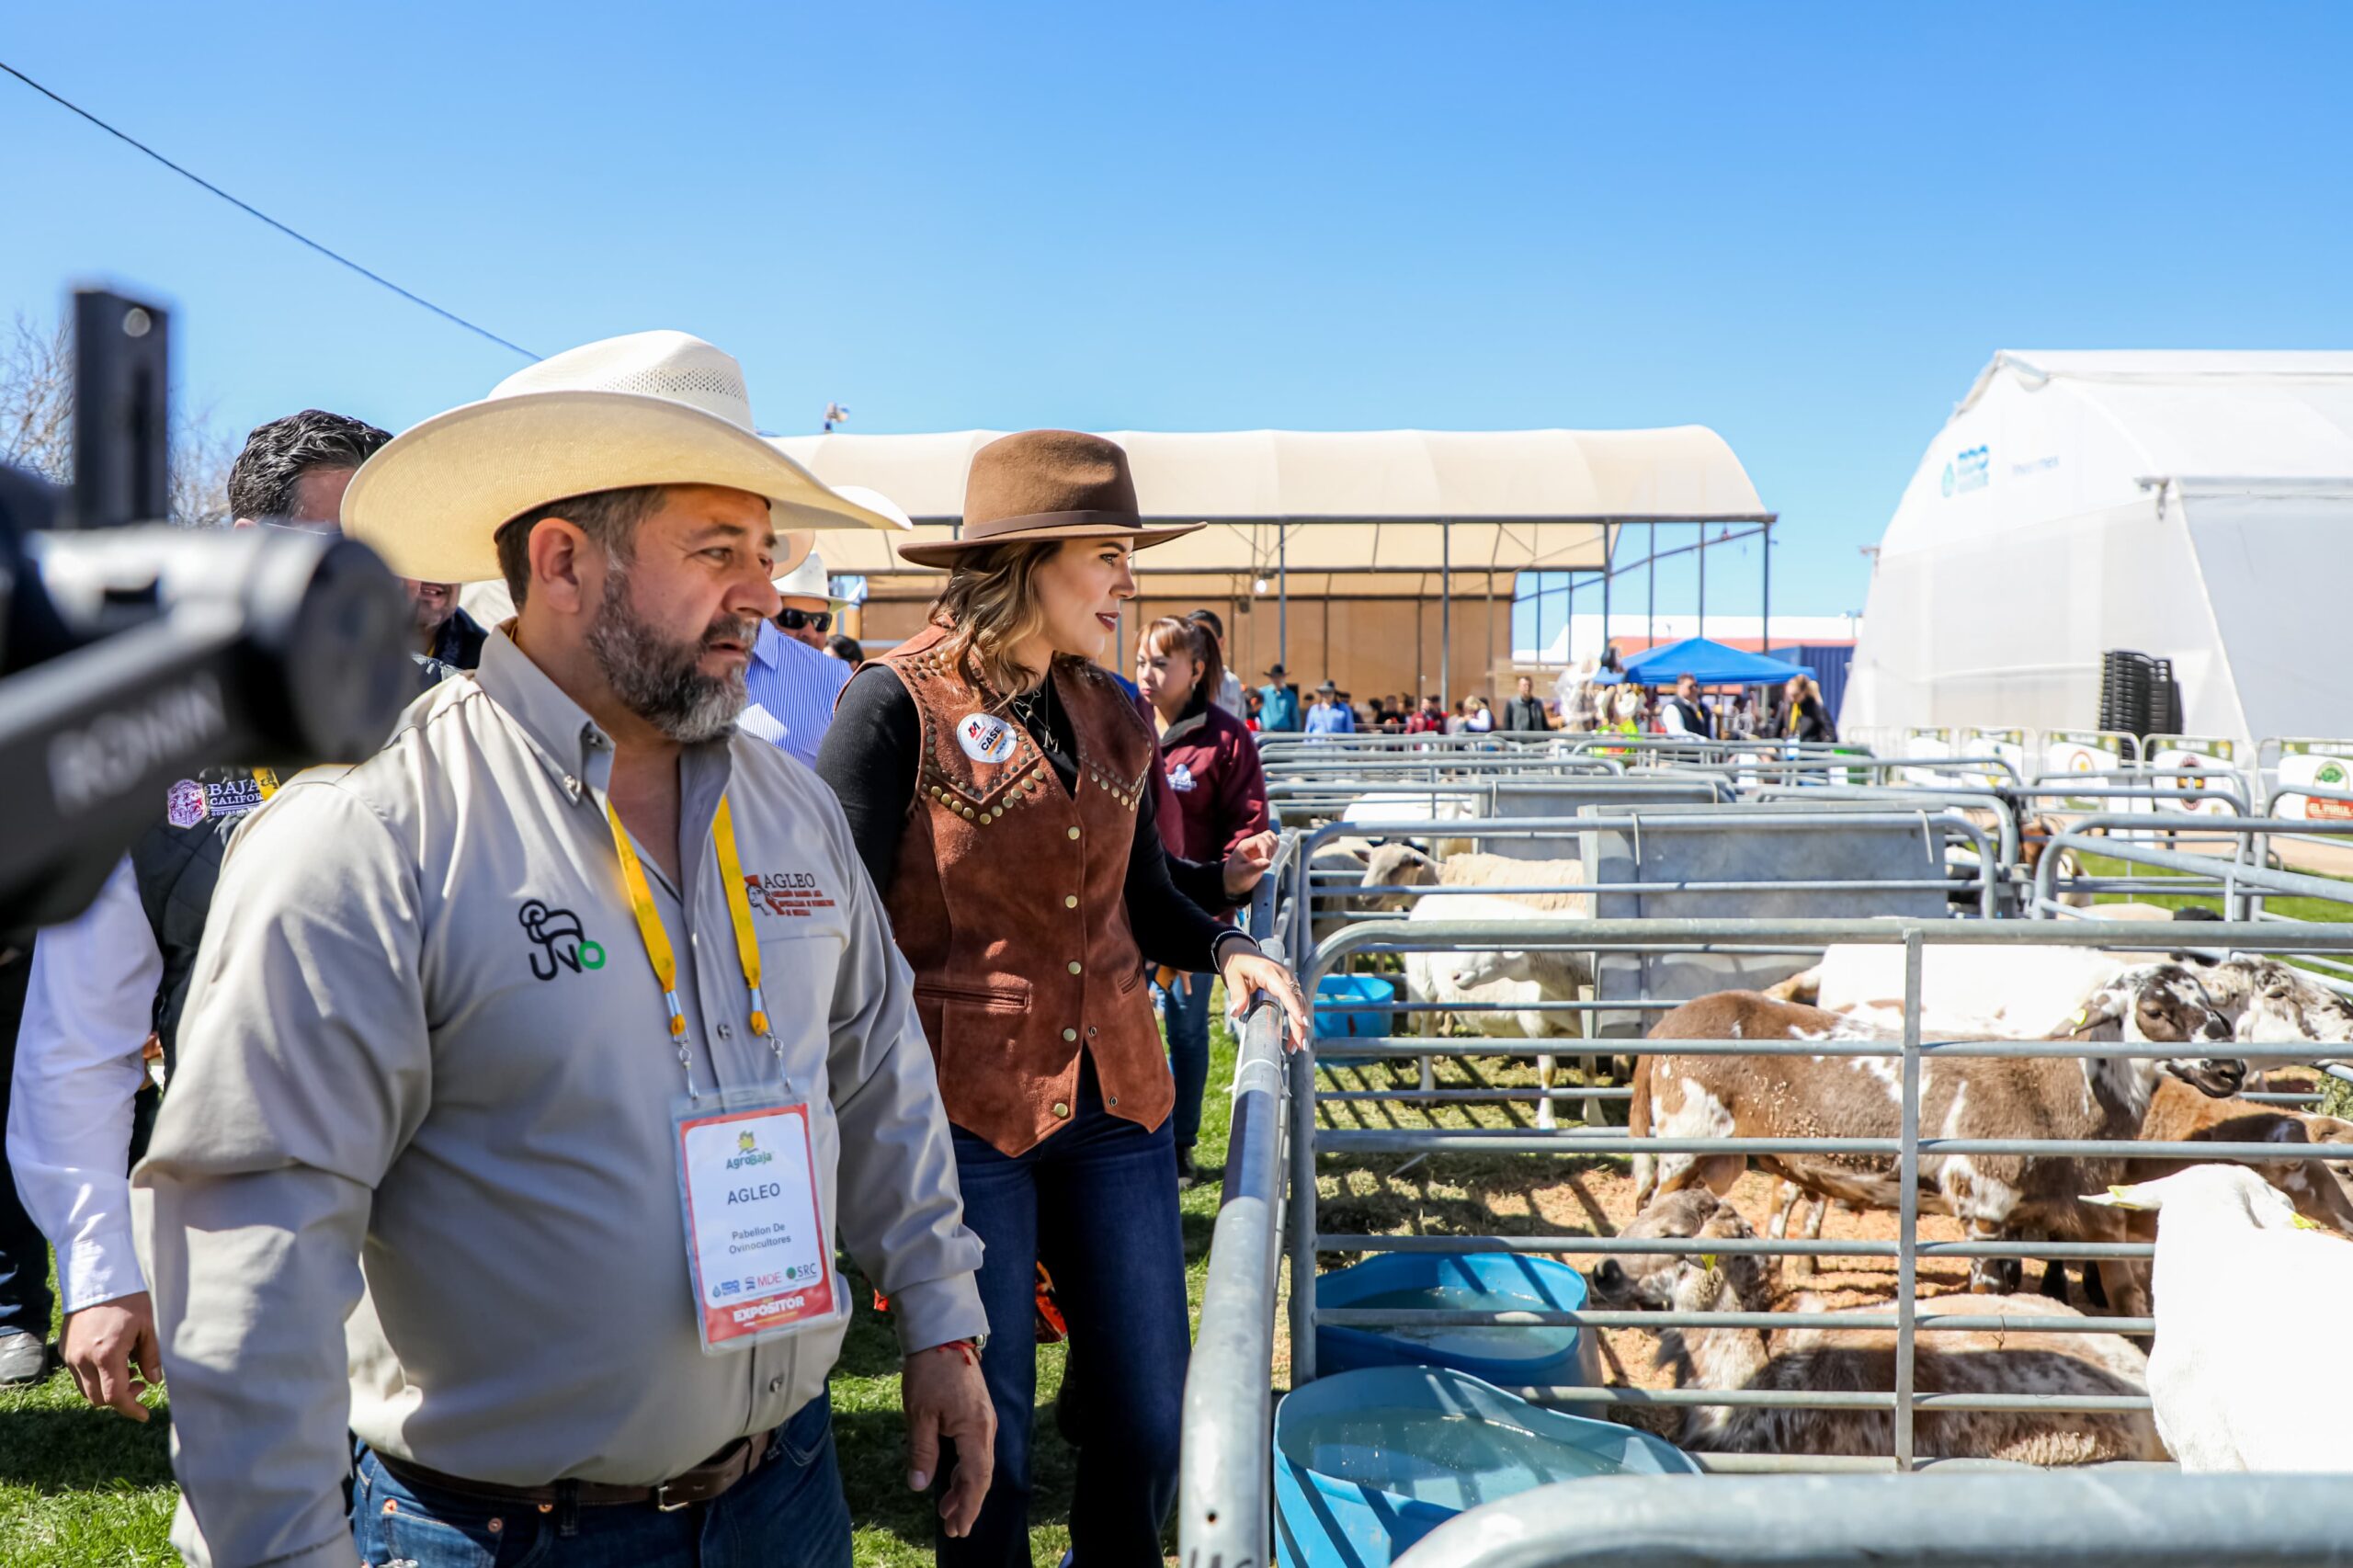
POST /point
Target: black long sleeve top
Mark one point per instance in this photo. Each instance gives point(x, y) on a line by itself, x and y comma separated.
point(873, 754)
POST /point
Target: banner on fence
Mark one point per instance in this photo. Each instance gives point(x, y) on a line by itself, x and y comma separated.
point(2194, 755)
point(2011, 745)
point(2326, 765)
point(2083, 751)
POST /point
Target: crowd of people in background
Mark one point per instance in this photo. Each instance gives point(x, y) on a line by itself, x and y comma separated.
point(1793, 710)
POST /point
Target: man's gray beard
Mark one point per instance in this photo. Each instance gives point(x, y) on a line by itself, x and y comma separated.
point(656, 678)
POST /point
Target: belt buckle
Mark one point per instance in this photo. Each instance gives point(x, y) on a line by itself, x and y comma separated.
point(661, 1503)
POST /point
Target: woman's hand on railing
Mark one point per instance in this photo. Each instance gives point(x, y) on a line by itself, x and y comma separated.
point(1246, 862)
point(1247, 972)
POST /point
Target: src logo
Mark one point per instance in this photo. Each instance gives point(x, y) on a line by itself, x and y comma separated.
point(561, 942)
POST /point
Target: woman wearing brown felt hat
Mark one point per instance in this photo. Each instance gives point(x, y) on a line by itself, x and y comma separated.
point(998, 785)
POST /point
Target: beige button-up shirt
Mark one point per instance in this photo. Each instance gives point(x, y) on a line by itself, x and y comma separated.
point(416, 1171)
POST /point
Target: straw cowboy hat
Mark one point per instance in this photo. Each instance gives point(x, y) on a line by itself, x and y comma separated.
point(1046, 484)
point(808, 580)
point(650, 408)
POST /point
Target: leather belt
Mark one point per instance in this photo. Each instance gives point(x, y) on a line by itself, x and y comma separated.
point(705, 1483)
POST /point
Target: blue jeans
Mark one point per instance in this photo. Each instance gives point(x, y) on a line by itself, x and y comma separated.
point(1187, 1016)
point(1097, 1203)
point(25, 1300)
point(787, 1514)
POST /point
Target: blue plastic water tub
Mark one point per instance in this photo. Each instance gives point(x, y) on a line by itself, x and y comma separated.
point(1369, 1462)
point(1478, 1281)
point(1336, 1023)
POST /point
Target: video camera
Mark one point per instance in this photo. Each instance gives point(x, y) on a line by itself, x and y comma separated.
point(134, 654)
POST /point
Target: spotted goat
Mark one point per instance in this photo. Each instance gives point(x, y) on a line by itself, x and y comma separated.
point(1841, 1361)
point(1995, 1197)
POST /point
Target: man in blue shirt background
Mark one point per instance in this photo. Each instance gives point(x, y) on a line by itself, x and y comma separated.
point(1278, 703)
point(1330, 716)
point(792, 680)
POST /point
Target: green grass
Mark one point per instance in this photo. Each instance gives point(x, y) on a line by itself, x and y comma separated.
point(2322, 909)
point(86, 1488)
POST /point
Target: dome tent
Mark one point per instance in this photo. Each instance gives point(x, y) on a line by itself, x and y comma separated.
point(2189, 505)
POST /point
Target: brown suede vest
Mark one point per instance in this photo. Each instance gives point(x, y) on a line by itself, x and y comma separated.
point(1009, 904)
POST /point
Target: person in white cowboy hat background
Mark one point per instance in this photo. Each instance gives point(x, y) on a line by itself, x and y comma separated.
point(794, 680)
point(998, 785)
point(535, 1064)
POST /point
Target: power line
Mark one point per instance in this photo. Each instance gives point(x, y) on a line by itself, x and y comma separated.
point(251, 210)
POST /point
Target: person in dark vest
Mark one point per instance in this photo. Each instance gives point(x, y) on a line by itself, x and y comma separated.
point(106, 983)
point(1684, 713)
point(998, 785)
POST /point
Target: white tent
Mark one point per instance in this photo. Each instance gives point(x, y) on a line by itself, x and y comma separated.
point(2197, 507)
point(1343, 514)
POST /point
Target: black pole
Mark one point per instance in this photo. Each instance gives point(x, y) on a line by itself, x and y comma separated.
point(1608, 569)
point(1703, 579)
point(1650, 574)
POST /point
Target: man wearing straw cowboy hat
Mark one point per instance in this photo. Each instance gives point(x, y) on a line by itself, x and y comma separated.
point(793, 681)
point(535, 1063)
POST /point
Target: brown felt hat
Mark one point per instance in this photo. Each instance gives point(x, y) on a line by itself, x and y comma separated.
point(1046, 484)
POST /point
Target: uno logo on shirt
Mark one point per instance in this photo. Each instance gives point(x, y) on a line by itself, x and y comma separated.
point(985, 737)
point(561, 942)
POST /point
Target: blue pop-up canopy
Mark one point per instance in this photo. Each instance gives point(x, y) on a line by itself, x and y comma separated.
point(1710, 663)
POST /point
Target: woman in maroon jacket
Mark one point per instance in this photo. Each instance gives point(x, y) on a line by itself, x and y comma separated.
point(1209, 764)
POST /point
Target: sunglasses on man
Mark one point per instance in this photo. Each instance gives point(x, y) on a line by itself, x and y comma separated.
point(820, 620)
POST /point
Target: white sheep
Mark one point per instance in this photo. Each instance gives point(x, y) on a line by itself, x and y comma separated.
point(2244, 1293)
point(1519, 980)
point(1403, 865)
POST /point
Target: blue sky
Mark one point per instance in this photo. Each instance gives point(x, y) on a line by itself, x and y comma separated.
point(1805, 226)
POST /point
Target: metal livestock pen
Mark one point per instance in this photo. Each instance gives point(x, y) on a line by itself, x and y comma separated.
point(1801, 1510)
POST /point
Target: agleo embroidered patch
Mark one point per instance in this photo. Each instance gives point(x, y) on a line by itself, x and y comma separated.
point(790, 895)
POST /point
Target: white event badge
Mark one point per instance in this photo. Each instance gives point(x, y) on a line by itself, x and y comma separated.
point(759, 1252)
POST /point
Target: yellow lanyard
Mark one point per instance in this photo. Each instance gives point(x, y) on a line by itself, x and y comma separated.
point(658, 950)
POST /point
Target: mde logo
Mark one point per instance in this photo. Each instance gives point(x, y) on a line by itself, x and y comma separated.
point(561, 944)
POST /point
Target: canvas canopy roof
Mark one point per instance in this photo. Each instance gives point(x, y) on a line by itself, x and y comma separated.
point(2192, 505)
point(1380, 513)
point(1707, 661)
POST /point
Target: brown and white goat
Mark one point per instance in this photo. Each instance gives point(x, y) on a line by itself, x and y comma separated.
point(1994, 1196)
point(2270, 1003)
point(2179, 1114)
point(1843, 1360)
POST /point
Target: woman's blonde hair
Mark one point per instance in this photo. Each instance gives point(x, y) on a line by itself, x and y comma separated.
point(990, 608)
